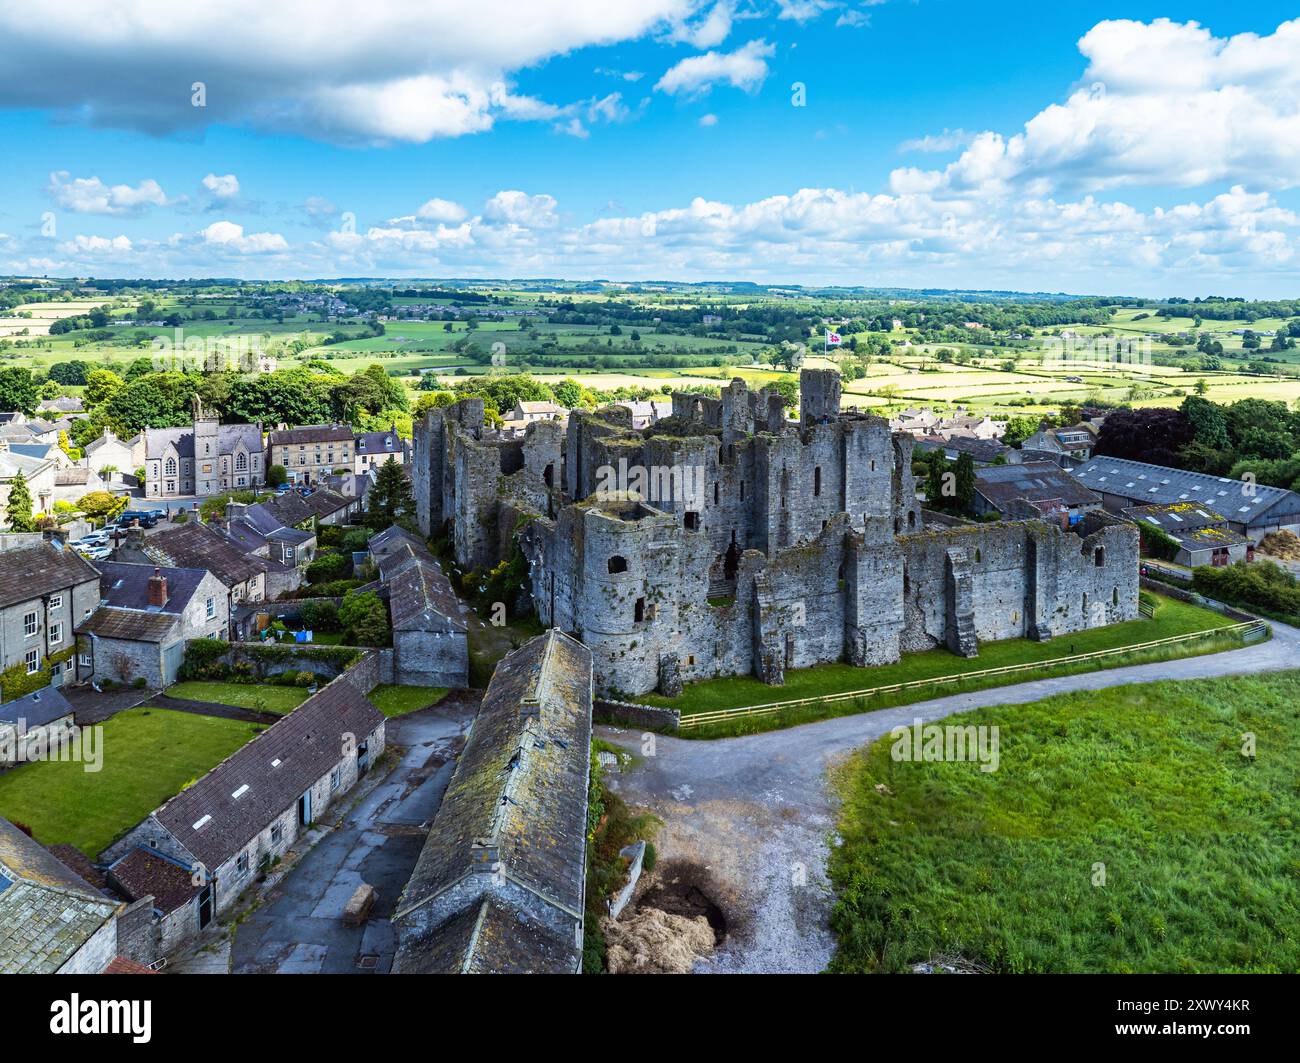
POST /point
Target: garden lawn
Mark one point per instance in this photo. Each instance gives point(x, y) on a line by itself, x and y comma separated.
point(1123, 830)
point(1172, 618)
point(259, 697)
point(394, 700)
point(149, 755)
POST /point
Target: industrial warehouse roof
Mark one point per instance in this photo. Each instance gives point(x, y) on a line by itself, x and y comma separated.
point(1146, 484)
point(221, 813)
point(519, 794)
point(1035, 481)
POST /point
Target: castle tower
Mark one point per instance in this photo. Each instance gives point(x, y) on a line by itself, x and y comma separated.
point(819, 396)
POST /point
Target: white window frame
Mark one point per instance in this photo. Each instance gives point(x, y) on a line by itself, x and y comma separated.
point(56, 634)
point(33, 661)
point(336, 779)
point(212, 608)
point(31, 624)
point(56, 601)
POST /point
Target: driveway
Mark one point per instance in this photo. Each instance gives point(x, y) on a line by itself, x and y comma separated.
point(298, 927)
point(756, 815)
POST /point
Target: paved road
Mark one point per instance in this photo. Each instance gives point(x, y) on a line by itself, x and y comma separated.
point(756, 812)
point(299, 929)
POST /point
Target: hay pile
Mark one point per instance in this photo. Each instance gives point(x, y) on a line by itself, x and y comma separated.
point(651, 941)
point(1283, 544)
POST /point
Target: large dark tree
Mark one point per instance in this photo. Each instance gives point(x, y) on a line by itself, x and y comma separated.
point(1156, 435)
point(390, 498)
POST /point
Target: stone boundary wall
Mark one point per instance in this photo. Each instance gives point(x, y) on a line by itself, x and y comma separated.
point(629, 714)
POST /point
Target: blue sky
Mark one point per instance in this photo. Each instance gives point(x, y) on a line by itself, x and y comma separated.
point(1098, 147)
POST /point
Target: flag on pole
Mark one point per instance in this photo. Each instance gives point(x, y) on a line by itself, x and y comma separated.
point(832, 339)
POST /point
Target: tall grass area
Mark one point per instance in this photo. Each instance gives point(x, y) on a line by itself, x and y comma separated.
point(1145, 783)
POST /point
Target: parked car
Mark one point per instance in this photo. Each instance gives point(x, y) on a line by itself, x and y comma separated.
point(99, 538)
point(95, 553)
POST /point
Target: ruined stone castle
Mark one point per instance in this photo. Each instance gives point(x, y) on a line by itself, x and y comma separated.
point(729, 540)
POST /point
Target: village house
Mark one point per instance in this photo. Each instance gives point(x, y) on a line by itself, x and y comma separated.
point(52, 921)
point(147, 615)
point(309, 451)
point(248, 810)
point(109, 453)
point(1253, 510)
point(430, 640)
point(1067, 447)
point(970, 427)
point(648, 412)
point(36, 720)
point(501, 881)
point(39, 472)
point(374, 448)
point(46, 589)
point(1203, 536)
point(206, 458)
point(982, 451)
point(192, 545)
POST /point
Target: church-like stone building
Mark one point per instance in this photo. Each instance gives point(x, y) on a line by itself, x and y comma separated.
point(727, 539)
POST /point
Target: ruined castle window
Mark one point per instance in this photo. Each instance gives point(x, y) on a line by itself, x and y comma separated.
point(1015, 616)
point(978, 555)
point(715, 493)
point(1099, 556)
point(817, 481)
point(1085, 603)
point(692, 521)
point(873, 464)
point(548, 475)
point(911, 520)
point(690, 661)
point(640, 610)
point(742, 490)
point(1114, 596)
point(898, 525)
point(617, 564)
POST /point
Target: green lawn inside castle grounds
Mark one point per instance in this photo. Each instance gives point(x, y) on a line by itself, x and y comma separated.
point(1171, 618)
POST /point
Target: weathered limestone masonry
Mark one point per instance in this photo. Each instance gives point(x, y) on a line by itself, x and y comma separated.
point(750, 544)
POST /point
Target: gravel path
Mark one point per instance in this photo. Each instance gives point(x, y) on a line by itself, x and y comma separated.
point(756, 814)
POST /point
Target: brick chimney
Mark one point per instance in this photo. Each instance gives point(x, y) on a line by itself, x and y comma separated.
point(135, 537)
point(157, 589)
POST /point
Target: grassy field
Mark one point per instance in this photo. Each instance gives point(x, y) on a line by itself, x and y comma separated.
point(730, 692)
point(260, 697)
point(149, 755)
point(1122, 831)
point(394, 700)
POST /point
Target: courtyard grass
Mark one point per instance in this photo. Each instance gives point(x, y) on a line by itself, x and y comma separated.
point(731, 692)
point(258, 697)
point(394, 700)
point(149, 755)
point(1123, 831)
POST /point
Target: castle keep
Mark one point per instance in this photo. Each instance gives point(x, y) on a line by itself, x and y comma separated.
point(727, 540)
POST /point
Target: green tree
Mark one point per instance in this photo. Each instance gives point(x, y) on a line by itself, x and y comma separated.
point(965, 498)
point(390, 498)
point(20, 505)
point(101, 385)
point(276, 476)
point(364, 619)
point(18, 390)
point(101, 505)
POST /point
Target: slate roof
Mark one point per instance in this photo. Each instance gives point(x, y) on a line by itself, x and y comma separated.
point(229, 436)
point(421, 598)
point(47, 912)
point(1035, 481)
point(36, 709)
point(277, 766)
point(126, 586)
point(63, 404)
point(32, 571)
point(310, 433)
point(193, 545)
point(13, 462)
point(1191, 524)
point(1146, 484)
point(520, 786)
point(129, 625)
point(986, 451)
point(146, 872)
point(378, 443)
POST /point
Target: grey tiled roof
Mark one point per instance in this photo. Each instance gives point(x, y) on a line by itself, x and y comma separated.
point(126, 586)
point(1035, 481)
point(277, 767)
point(32, 571)
point(130, 625)
point(520, 787)
point(37, 708)
point(310, 433)
point(47, 912)
point(193, 545)
point(1146, 484)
